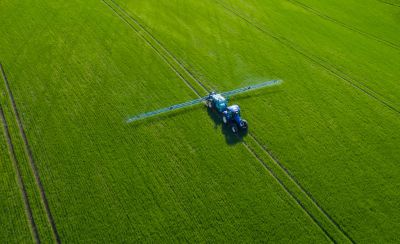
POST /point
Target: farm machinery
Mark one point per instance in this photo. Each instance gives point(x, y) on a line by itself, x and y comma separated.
point(217, 102)
point(230, 114)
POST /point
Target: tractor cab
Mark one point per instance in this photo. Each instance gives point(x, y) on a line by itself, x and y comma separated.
point(234, 109)
point(233, 113)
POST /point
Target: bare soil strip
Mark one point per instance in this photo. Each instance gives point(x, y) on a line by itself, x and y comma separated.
point(337, 22)
point(28, 209)
point(325, 65)
point(193, 78)
point(32, 163)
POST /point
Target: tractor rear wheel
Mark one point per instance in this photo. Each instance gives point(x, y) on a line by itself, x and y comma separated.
point(234, 128)
point(224, 119)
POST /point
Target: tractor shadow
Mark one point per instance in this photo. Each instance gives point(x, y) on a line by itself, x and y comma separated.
point(230, 137)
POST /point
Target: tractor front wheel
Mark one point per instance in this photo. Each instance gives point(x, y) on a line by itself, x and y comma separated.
point(244, 125)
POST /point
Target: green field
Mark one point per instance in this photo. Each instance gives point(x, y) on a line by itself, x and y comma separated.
point(319, 163)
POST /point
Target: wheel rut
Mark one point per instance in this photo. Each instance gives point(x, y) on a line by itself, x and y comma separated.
point(158, 48)
point(275, 160)
point(287, 190)
point(31, 159)
point(189, 79)
point(388, 3)
point(20, 181)
point(340, 23)
point(362, 87)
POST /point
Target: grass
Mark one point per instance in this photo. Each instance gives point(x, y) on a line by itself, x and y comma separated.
point(77, 70)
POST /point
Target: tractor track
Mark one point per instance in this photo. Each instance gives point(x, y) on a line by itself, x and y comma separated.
point(297, 183)
point(32, 162)
point(388, 3)
point(245, 144)
point(20, 181)
point(129, 15)
point(148, 42)
point(337, 22)
point(328, 67)
point(287, 190)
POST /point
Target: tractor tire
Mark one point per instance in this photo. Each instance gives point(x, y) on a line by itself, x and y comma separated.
point(234, 128)
point(244, 125)
point(224, 119)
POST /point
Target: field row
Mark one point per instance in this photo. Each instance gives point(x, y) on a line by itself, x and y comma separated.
point(289, 184)
point(313, 112)
point(300, 174)
point(96, 170)
point(31, 192)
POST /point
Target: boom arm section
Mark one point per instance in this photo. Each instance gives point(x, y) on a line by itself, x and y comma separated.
point(199, 100)
point(251, 87)
point(167, 109)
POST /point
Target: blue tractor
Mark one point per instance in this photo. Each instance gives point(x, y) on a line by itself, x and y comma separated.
point(230, 114)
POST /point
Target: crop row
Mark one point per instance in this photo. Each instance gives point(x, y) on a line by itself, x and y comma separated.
point(171, 178)
point(328, 134)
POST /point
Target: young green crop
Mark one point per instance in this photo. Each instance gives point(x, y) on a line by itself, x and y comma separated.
point(14, 222)
point(376, 18)
point(338, 141)
point(176, 177)
point(78, 70)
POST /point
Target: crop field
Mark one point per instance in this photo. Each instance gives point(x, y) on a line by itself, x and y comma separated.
point(320, 160)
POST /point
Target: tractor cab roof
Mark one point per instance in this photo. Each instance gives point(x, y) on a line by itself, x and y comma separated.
point(234, 108)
